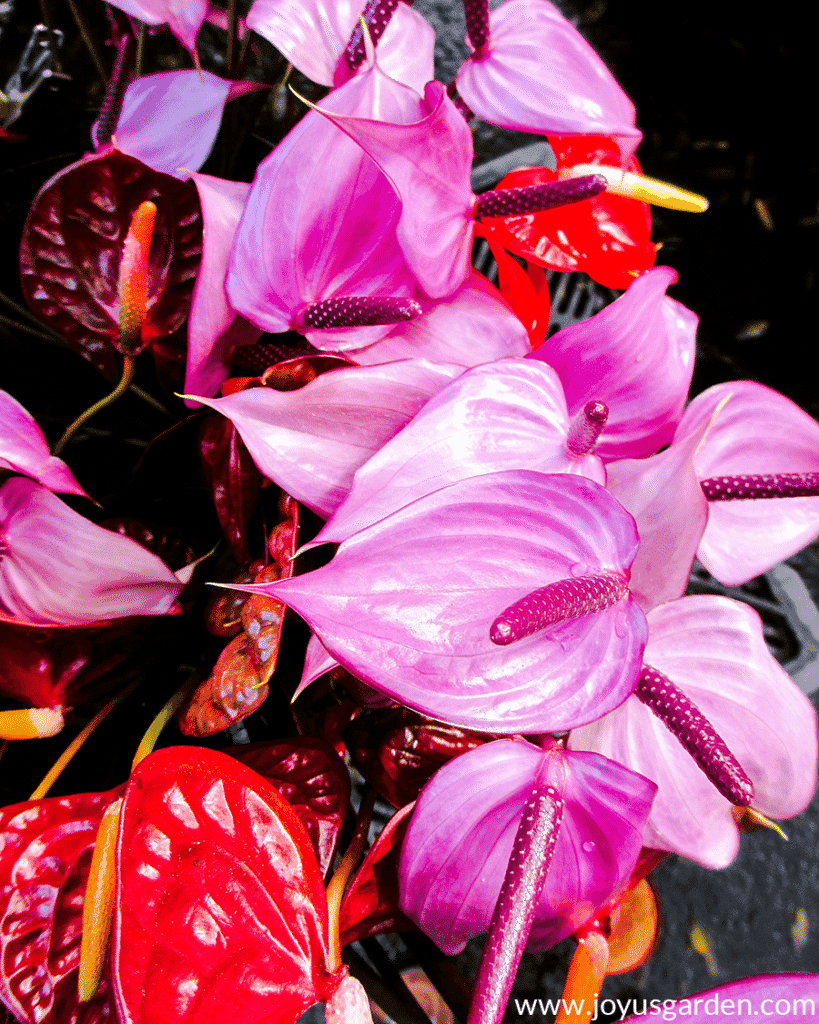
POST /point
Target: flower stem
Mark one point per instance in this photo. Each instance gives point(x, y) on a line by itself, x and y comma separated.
point(128, 363)
point(338, 883)
point(169, 709)
point(98, 904)
point(89, 41)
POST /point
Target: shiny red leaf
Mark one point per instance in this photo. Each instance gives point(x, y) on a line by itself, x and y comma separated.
point(398, 750)
point(221, 913)
point(45, 855)
point(527, 292)
point(223, 615)
point(313, 779)
point(608, 237)
point(234, 479)
point(370, 904)
point(72, 247)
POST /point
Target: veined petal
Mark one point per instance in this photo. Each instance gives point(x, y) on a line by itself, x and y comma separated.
point(311, 441)
point(504, 415)
point(713, 649)
point(58, 568)
point(24, 449)
point(538, 74)
point(637, 356)
point(407, 604)
point(758, 431)
point(474, 325)
point(460, 836)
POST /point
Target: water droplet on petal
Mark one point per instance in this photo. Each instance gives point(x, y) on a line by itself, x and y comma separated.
point(588, 846)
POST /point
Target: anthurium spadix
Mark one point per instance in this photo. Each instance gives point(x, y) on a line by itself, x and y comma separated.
point(314, 36)
point(536, 73)
point(311, 441)
point(58, 568)
point(759, 469)
point(713, 650)
point(455, 854)
point(637, 356)
point(408, 604)
point(316, 249)
point(24, 449)
point(509, 414)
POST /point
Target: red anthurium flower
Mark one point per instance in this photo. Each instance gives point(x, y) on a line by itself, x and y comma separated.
point(439, 604)
point(220, 911)
point(57, 568)
point(24, 449)
point(460, 837)
point(713, 650)
point(534, 72)
point(313, 36)
point(608, 236)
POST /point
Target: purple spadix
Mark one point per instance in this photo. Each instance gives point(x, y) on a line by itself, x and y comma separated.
point(376, 16)
point(357, 311)
point(586, 427)
point(761, 485)
point(512, 202)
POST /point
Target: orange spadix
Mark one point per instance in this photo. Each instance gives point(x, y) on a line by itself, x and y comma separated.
point(133, 278)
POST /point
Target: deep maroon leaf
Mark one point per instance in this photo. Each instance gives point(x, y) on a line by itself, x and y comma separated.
point(45, 855)
point(370, 904)
point(234, 479)
point(221, 913)
point(72, 246)
point(398, 751)
point(313, 779)
point(169, 545)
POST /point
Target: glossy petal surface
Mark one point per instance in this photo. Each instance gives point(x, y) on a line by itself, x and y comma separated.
point(758, 431)
point(637, 356)
point(320, 220)
point(713, 649)
point(427, 157)
point(183, 17)
point(460, 837)
point(24, 449)
point(313, 35)
point(407, 603)
point(472, 326)
point(45, 854)
point(58, 568)
point(505, 415)
point(538, 74)
point(71, 251)
point(221, 913)
point(312, 441)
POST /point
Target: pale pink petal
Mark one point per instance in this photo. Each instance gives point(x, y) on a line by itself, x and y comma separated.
point(24, 449)
point(406, 605)
point(57, 567)
point(538, 74)
point(214, 328)
point(317, 661)
point(474, 325)
point(428, 161)
point(320, 221)
point(504, 415)
point(183, 17)
point(454, 857)
point(311, 441)
point(169, 121)
point(313, 34)
point(637, 356)
point(713, 649)
point(757, 431)
point(743, 1002)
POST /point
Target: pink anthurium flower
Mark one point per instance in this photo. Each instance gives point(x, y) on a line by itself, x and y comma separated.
point(439, 605)
point(757, 433)
point(316, 250)
point(24, 449)
point(455, 854)
point(183, 17)
point(637, 356)
point(215, 329)
point(58, 568)
point(510, 414)
point(313, 36)
point(779, 997)
point(713, 650)
point(311, 441)
point(534, 72)
point(170, 120)
point(474, 325)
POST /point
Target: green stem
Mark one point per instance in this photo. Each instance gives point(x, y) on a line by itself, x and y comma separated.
point(89, 41)
point(128, 363)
